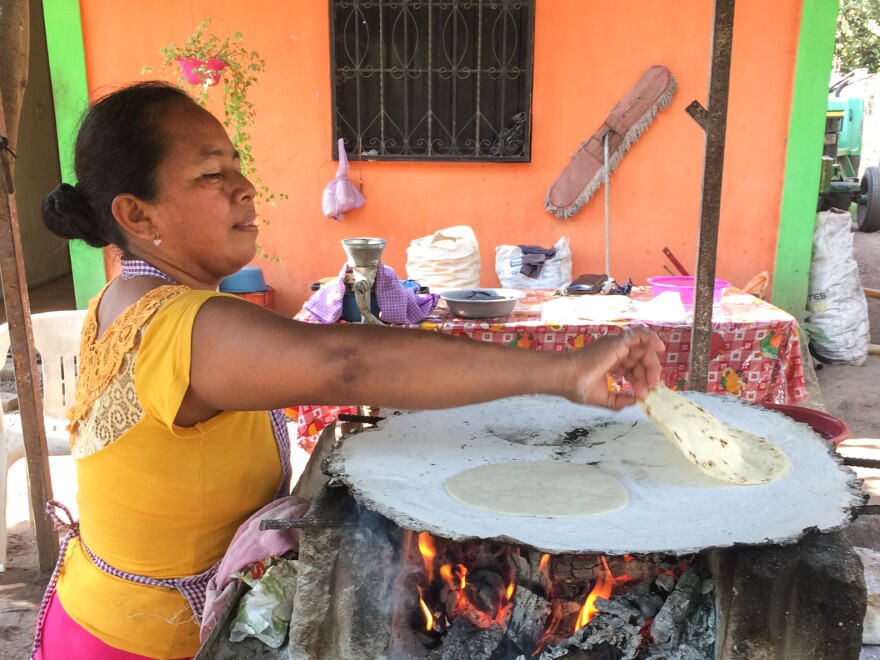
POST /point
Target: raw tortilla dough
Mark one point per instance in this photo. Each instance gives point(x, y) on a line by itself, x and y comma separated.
point(722, 452)
point(545, 489)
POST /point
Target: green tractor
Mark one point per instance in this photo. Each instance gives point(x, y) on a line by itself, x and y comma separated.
point(840, 186)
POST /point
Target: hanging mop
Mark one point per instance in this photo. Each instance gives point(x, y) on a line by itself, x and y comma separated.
point(627, 121)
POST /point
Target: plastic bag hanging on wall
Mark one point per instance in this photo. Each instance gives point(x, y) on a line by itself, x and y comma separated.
point(341, 195)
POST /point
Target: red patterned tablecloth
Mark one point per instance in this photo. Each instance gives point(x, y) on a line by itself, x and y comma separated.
point(755, 346)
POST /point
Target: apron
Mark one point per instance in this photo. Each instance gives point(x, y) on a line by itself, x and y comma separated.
point(191, 587)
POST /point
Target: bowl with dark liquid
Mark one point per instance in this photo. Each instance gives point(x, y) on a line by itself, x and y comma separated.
point(481, 303)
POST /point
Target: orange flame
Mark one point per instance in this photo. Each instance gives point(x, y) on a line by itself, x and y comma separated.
point(510, 589)
point(544, 563)
point(446, 574)
point(555, 618)
point(602, 589)
point(462, 574)
point(429, 618)
point(426, 547)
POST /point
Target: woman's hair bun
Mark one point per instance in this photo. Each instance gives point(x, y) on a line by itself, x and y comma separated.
point(67, 213)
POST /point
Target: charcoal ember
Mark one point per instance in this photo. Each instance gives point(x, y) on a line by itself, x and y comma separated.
point(683, 652)
point(450, 603)
point(620, 608)
point(584, 569)
point(570, 611)
point(602, 652)
point(635, 569)
point(708, 586)
point(484, 590)
point(465, 640)
point(643, 597)
point(567, 590)
point(700, 633)
point(602, 633)
point(568, 568)
point(528, 619)
point(533, 559)
point(529, 574)
point(669, 623)
point(665, 582)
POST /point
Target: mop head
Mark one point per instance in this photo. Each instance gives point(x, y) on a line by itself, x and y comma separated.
point(625, 124)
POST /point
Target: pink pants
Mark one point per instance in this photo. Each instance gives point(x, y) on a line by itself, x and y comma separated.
point(65, 639)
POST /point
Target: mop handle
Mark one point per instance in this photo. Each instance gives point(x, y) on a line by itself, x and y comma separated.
point(607, 214)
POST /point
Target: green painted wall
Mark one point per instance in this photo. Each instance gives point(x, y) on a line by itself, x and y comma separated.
point(806, 132)
point(70, 92)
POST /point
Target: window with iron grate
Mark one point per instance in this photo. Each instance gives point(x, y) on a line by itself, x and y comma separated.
point(433, 79)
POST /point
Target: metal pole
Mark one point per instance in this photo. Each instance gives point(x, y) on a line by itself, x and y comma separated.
point(24, 358)
point(714, 123)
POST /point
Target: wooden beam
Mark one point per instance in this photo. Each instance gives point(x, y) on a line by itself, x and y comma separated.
point(714, 121)
point(24, 358)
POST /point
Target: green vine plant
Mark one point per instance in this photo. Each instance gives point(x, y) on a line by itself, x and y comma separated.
point(234, 79)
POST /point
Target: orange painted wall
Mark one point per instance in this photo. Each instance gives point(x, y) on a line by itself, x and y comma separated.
point(587, 55)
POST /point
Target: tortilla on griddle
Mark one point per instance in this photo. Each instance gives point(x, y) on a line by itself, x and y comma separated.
point(722, 452)
point(542, 489)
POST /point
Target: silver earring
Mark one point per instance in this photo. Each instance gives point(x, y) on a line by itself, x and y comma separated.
point(157, 241)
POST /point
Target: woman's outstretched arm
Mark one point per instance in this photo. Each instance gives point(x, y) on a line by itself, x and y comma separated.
point(246, 358)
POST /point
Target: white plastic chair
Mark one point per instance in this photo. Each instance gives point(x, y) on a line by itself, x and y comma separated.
point(57, 340)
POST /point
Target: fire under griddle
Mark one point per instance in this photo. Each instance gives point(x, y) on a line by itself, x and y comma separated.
point(399, 470)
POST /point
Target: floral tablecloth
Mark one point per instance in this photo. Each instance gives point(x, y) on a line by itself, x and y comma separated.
point(755, 352)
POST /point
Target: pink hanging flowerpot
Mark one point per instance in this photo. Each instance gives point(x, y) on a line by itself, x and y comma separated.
point(200, 72)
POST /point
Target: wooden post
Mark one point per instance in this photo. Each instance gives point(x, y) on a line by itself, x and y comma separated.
point(27, 378)
point(714, 122)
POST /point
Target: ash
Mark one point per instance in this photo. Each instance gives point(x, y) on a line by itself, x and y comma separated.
point(659, 619)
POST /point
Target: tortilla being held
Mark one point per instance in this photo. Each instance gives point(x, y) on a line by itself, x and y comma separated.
point(722, 452)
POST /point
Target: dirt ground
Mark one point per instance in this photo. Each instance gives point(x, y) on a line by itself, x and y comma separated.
point(851, 393)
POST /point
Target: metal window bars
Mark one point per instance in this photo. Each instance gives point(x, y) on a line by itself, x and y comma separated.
point(433, 79)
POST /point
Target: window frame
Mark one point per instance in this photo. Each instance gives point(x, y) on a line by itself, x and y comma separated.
point(525, 103)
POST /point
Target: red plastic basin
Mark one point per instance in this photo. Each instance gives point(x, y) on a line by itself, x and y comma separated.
point(828, 426)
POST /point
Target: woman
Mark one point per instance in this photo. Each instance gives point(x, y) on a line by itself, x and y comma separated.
point(172, 443)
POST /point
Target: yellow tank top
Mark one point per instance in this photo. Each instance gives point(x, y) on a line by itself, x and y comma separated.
point(159, 500)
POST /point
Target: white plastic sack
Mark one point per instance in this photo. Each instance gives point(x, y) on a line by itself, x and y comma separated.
point(555, 272)
point(448, 259)
point(341, 195)
point(264, 611)
point(836, 302)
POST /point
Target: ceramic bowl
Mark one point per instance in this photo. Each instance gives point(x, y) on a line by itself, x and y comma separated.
point(481, 303)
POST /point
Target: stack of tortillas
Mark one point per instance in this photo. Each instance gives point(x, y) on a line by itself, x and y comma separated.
point(722, 452)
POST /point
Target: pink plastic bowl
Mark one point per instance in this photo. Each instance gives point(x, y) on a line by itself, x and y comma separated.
point(684, 285)
point(831, 428)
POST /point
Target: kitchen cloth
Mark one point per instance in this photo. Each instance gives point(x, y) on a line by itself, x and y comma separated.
point(397, 304)
point(250, 545)
point(533, 259)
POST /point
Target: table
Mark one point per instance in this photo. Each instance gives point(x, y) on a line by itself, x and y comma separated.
point(755, 353)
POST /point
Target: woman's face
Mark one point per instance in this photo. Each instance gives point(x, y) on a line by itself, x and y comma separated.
point(204, 210)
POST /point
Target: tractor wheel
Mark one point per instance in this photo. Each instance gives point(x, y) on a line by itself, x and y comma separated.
point(868, 214)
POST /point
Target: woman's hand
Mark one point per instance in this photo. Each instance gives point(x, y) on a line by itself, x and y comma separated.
point(633, 354)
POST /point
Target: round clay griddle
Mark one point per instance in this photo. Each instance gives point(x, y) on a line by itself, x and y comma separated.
point(399, 470)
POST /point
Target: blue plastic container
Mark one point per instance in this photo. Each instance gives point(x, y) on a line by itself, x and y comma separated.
point(350, 311)
point(248, 280)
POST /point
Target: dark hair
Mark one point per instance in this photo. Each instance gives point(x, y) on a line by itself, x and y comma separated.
point(118, 148)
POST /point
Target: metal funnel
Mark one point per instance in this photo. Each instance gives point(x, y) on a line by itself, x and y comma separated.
point(364, 252)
